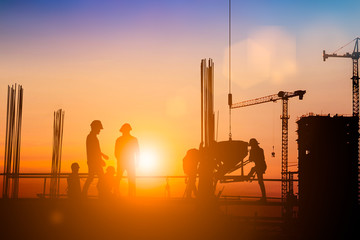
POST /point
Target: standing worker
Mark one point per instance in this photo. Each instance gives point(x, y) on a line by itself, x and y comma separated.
point(127, 155)
point(190, 166)
point(257, 156)
point(94, 155)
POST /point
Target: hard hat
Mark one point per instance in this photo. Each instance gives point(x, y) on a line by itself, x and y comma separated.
point(253, 142)
point(96, 124)
point(125, 128)
point(75, 165)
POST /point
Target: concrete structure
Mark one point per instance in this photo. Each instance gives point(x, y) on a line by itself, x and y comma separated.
point(328, 175)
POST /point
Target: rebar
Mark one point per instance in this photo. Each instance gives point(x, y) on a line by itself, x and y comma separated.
point(56, 154)
point(12, 141)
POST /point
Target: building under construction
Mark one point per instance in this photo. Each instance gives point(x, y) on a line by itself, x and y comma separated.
point(328, 175)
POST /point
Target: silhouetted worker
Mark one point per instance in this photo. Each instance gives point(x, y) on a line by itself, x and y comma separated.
point(257, 156)
point(73, 181)
point(206, 172)
point(127, 155)
point(107, 184)
point(94, 155)
point(190, 166)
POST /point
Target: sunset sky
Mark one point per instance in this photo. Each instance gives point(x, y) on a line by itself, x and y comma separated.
point(139, 62)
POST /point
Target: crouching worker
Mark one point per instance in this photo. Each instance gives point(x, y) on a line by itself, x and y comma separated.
point(106, 185)
point(190, 166)
point(257, 156)
point(73, 181)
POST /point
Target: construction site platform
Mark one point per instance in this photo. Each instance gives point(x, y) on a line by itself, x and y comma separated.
point(139, 218)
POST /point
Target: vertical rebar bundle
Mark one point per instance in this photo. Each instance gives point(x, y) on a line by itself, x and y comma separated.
point(206, 167)
point(207, 103)
point(12, 141)
point(56, 155)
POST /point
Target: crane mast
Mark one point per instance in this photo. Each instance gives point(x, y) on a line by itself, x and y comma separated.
point(284, 96)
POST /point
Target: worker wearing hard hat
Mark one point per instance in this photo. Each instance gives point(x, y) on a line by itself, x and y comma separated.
point(257, 156)
point(127, 155)
point(94, 155)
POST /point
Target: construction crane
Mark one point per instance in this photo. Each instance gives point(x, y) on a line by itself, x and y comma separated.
point(355, 55)
point(284, 96)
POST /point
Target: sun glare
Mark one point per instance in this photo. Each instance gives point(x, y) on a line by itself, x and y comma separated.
point(148, 161)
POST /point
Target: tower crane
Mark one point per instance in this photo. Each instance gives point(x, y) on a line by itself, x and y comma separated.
point(355, 55)
point(284, 96)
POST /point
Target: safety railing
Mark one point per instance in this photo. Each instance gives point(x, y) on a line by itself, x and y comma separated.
point(48, 176)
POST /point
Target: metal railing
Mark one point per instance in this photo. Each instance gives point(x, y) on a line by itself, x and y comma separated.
point(48, 176)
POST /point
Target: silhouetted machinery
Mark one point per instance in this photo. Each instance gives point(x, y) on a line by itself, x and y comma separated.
point(229, 157)
point(218, 158)
point(225, 157)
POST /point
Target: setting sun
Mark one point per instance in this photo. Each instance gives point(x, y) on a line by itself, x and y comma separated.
point(148, 161)
point(147, 119)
